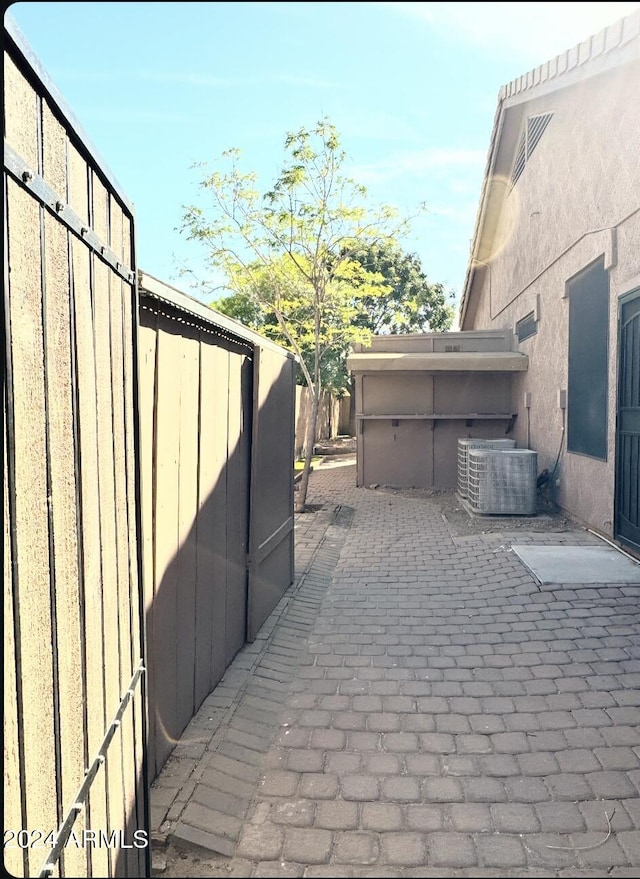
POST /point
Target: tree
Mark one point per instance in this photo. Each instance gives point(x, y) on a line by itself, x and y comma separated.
point(292, 251)
point(413, 304)
point(333, 375)
point(409, 303)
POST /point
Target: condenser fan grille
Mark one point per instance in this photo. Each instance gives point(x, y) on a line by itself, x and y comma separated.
point(503, 481)
point(465, 444)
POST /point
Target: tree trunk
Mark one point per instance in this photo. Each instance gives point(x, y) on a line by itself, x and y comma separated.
point(310, 441)
point(312, 424)
point(307, 395)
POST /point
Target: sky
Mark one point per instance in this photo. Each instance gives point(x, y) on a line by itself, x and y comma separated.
point(412, 89)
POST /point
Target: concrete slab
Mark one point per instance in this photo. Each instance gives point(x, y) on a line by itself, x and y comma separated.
point(587, 565)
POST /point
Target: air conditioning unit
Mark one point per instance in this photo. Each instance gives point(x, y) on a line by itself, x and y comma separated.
point(467, 443)
point(503, 481)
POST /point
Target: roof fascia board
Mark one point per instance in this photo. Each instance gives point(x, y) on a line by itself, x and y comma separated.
point(595, 67)
point(467, 361)
point(498, 123)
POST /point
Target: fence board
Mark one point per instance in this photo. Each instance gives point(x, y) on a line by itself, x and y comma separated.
point(212, 547)
point(31, 519)
point(54, 151)
point(100, 208)
point(271, 552)
point(167, 492)
point(204, 591)
point(20, 113)
point(122, 549)
point(133, 495)
point(78, 183)
point(90, 537)
point(208, 475)
point(147, 397)
point(187, 527)
point(115, 781)
point(107, 498)
point(120, 484)
point(237, 504)
point(13, 856)
point(69, 653)
point(116, 228)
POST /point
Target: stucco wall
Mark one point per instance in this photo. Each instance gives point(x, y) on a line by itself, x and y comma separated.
point(578, 199)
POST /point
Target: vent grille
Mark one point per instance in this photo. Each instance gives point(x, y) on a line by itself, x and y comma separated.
point(535, 129)
point(503, 482)
point(465, 444)
point(526, 327)
point(529, 140)
point(521, 159)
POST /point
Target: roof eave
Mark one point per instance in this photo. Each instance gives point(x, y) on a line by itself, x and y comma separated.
point(161, 291)
point(482, 206)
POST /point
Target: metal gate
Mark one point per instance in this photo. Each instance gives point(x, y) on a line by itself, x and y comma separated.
point(627, 527)
point(75, 796)
point(271, 533)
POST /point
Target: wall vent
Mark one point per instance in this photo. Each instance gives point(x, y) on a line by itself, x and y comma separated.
point(526, 327)
point(521, 159)
point(465, 444)
point(529, 140)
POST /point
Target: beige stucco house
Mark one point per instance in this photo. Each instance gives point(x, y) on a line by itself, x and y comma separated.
point(555, 258)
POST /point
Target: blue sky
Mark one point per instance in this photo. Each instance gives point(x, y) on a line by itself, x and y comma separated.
point(411, 87)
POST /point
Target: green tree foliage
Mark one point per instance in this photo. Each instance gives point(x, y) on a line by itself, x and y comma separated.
point(405, 302)
point(343, 320)
point(290, 251)
point(412, 304)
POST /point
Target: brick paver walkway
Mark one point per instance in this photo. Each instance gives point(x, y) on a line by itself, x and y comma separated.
point(418, 706)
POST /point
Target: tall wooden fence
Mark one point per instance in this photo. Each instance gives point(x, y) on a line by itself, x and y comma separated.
point(216, 415)
point(335, 417)
point(74, 670)
point(115, 633)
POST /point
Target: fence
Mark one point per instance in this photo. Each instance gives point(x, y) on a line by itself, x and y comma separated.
point(334, 417)
point(185, 420)
point(74, 671)
point(216, 406)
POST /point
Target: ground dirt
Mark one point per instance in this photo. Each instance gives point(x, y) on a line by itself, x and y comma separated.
point(194, 862)
point(340, 445)
point(462, 522)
